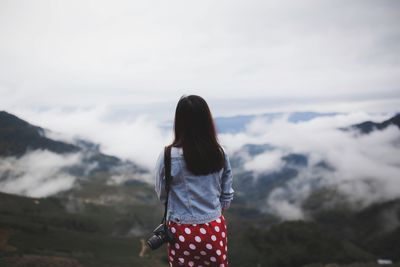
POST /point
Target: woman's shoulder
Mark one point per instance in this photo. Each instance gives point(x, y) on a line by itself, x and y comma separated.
point(176, 151)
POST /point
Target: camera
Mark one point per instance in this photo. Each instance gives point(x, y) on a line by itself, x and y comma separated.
point(160, 235)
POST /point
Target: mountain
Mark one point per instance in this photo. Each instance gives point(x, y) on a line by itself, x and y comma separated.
point(18, 136)
point(238, 123)
point(102, 222)
point(253, 188)
point(370, 126)
point(235, 124)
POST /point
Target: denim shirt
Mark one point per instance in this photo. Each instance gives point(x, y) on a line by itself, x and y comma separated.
point(193, 199)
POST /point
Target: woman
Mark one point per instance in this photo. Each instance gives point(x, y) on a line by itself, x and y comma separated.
point(201, 188)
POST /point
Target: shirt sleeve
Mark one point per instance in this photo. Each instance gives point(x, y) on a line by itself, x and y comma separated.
point(159, 175)
point(227, 191)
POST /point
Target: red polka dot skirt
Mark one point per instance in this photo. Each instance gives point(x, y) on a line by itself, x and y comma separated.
point(199, 245)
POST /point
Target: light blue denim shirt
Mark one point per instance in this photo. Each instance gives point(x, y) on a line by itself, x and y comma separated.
point(193, 199)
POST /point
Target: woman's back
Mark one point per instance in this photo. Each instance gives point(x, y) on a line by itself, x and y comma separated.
point(193, 198)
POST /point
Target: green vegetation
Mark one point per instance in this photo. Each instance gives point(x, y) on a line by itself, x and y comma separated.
point(100, 224)
point(43, 230)
point(96, 237)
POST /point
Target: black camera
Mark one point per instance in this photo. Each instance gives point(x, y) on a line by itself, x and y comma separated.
point(160, 235)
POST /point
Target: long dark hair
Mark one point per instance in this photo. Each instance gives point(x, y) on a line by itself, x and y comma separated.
point(195, 132)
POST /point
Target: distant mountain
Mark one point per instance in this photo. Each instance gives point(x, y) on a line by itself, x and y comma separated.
point(96, 177)
point(253, 188)
point(101, 223)
point(238, 123)
point(370, 126)
point(17, 136)
point(235, 124)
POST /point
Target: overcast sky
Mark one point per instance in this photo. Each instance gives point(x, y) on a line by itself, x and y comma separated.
point(241, 56)
point(110, 71)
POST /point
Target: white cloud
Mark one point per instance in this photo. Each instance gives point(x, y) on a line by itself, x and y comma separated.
point(37, 173)
point(265, 163)
point(137, 138)
point(367, 167)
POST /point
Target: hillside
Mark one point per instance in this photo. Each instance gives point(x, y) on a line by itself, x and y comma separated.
point(81, 161)
point(17, 136)
point(101, 222)
point(45, 231)
point(42, 232)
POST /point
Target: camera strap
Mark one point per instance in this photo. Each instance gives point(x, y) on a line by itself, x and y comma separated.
point(168, 178)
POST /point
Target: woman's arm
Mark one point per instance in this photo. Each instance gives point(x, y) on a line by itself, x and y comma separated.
point(159, 174)
point(226, 184)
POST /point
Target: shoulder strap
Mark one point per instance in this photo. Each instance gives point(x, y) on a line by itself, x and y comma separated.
point(167, 164)
point(168, 178)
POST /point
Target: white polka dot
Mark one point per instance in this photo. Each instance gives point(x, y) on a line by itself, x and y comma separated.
point(203, 231)
point(198, 239)
point(173, 230)
point(226, 248)
point(218, 220)
point(218, 252)
point(191, 263)
point(192, 246)
point(213, 238)
point(213, 259)
point(171, 259)
point(224, 257)
point(194, 224)
point(209, 246)
point(187, 230)
point(203, 253)
point(207, 224)
point(196, 257)
point(216, 228)
point(221, 243)
point(222, 265)
point(177, 246)
point(181, 260)
point(186, 253)
point(181, 238)
point(173, 252)
point(223, 234)
point(206, 262)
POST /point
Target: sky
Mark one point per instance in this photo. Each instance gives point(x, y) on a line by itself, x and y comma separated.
point(112, 72)
point(137, 58)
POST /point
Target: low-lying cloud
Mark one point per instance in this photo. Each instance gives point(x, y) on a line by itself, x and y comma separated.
point(366, 167)
point(129, 137)
point(38, 173)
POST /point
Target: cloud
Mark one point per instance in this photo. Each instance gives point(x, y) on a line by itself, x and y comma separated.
point(38, 173)
point(366, 167)
point(265, 163)
point(134, 137)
